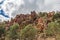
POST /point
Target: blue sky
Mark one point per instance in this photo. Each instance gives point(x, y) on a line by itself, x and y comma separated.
point(14, 7)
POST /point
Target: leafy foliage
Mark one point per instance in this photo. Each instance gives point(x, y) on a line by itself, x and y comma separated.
point(13, 33)
point(28, 32)
point(53, 28)
point(56, 16)
point(2, 31)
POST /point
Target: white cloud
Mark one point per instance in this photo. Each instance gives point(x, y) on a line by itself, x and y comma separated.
point(37, 5)
point(52, 4)
point(56, 7)
point(9, 6)
point(31, 1)
point(47, 2)
point(0, 0)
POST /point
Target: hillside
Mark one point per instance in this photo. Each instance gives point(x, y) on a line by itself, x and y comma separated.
point(34, 26)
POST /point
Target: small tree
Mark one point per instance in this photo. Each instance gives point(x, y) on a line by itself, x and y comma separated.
point(28, 33)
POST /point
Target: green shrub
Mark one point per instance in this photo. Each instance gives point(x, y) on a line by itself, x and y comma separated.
point(56, 16)
point(53, 28)
point(2, 32)
point(13, 33)
point(28, 33)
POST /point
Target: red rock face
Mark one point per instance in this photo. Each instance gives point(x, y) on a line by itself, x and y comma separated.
point(40, 20)
point(40, 25)
point(23, 19)
point(33, 15)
